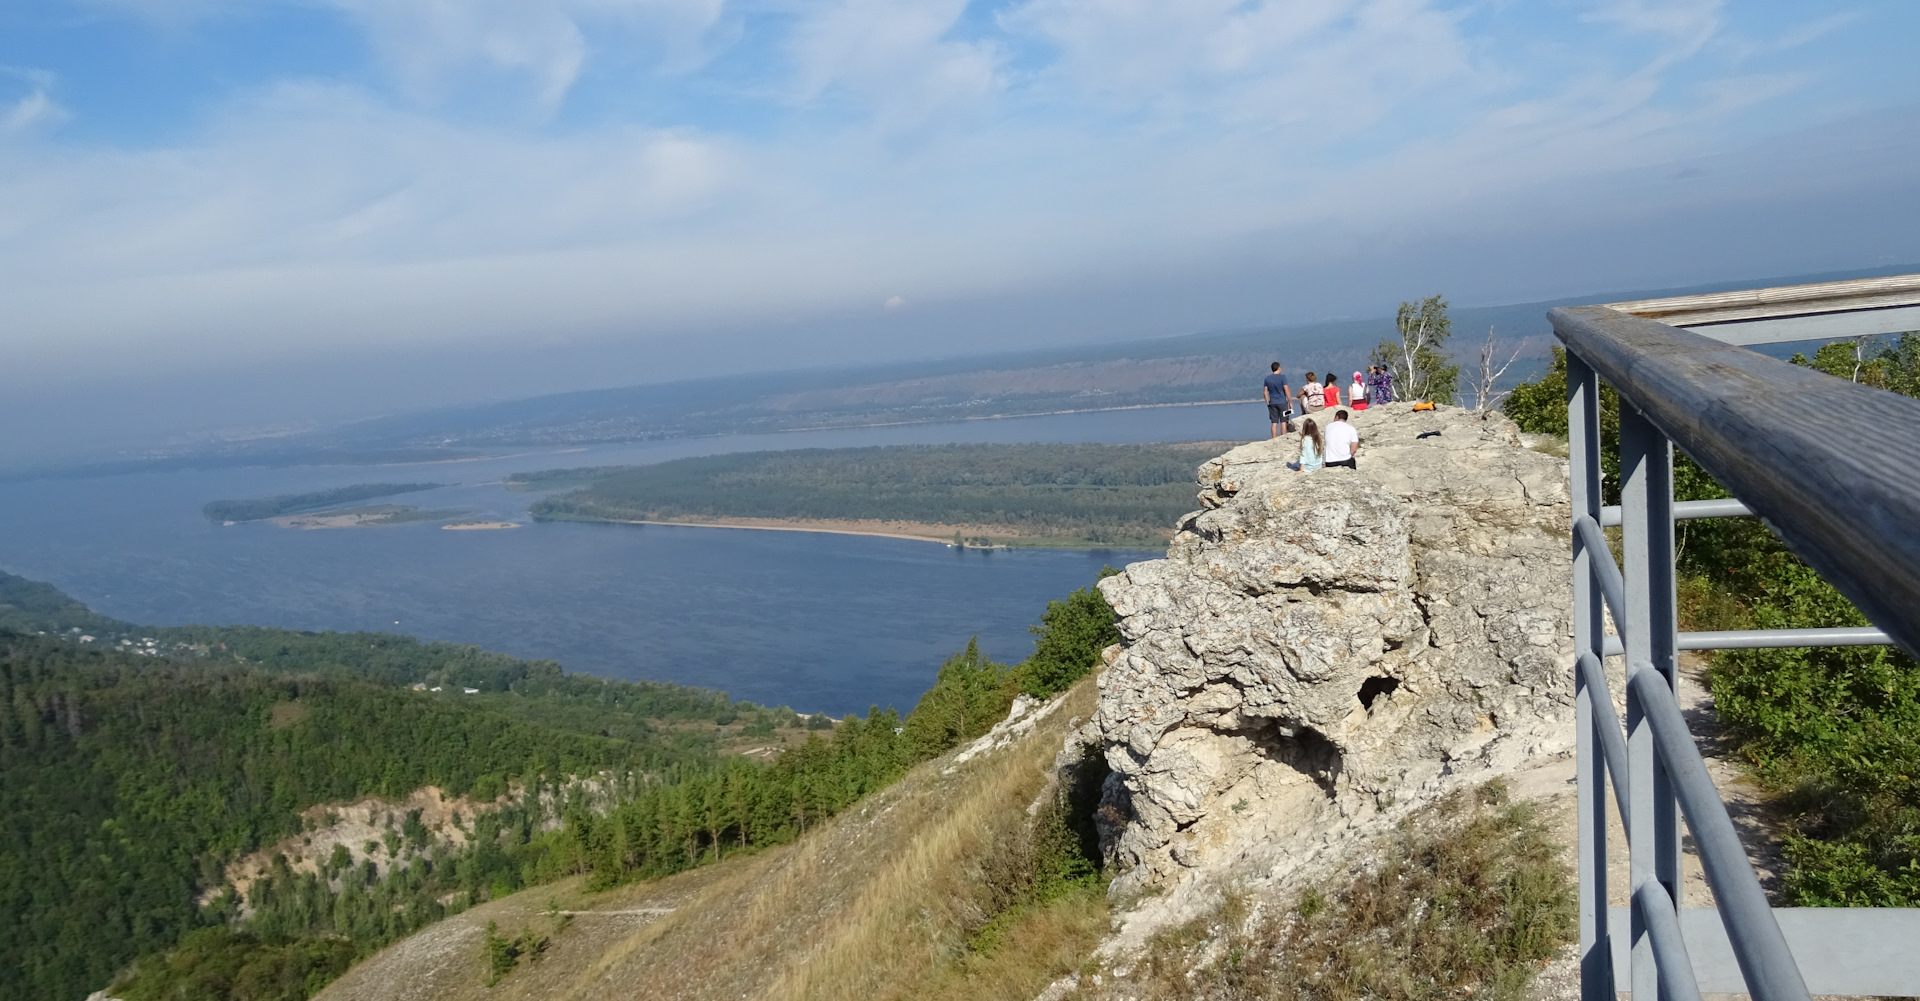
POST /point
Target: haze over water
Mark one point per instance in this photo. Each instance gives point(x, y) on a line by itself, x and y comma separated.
point(816, 621)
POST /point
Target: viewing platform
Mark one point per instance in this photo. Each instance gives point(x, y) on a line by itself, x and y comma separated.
point(1844, 494)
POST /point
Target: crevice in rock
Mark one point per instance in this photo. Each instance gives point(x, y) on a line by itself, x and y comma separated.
point(1301, 748)
point(1375, 687)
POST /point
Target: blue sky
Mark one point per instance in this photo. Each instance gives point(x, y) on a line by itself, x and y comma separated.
point(199, 186)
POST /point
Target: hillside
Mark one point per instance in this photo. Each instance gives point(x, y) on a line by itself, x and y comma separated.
point(131, 779)
point(1277, 786)
point(245, 812)
point(878, 903)
point(1074, 495)
point(139, 762)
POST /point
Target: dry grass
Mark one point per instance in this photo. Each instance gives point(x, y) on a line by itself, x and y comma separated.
point(1469, 899)
point(885, 901)
point(924, 891)
point(906, 932)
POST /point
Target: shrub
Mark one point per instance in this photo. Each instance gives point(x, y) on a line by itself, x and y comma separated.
point(1466, 901)
point(1071, 635)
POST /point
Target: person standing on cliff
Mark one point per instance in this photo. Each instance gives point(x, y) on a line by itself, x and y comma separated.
point(1382, 382)
point(1279, 401)
point(1343, 442)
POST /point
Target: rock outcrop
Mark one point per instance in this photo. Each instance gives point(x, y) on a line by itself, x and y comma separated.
point(1317, 647)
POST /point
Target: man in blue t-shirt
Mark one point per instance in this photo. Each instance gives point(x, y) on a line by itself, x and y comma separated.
point(1279, 401)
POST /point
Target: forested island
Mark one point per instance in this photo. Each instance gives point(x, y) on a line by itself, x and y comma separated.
point(147, 767)
point(262, 508)
point(1078, 495)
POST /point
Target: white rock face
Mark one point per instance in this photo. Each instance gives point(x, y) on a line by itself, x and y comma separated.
point(1317, 647)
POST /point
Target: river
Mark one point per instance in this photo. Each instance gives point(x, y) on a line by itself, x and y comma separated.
point(815, 621)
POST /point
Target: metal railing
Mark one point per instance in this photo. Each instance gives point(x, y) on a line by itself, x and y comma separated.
point(1841, 488)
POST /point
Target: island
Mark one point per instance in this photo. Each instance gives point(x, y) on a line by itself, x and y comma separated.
point(365, 517)
point(266, 508)
point(1085, 496)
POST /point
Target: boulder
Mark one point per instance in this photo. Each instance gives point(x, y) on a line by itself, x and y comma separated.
point(1316, 647)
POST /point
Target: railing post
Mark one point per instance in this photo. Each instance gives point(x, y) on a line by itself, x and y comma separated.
point(1650, 638)
point(1583, 465)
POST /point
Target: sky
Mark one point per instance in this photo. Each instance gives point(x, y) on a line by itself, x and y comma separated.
point(302, 209)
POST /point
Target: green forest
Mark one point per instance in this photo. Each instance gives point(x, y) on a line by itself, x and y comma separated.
point(133, 779)
point(1834, 731)
point(1071, 495)
point(260, 508)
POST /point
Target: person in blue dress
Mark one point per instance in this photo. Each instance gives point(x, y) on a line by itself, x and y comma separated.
point(1313, 448)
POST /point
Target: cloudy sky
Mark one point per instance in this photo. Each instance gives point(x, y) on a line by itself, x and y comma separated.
point(594, 192)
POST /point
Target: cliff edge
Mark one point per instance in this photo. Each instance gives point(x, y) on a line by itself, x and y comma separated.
point(1321, 650)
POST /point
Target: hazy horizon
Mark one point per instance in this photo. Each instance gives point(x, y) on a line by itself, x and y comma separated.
point(224, 215)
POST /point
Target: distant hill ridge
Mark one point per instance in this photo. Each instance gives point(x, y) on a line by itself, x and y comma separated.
point(1185, 368)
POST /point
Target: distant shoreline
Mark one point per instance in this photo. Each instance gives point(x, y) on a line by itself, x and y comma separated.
point(996, 417)
point(942, 534)
point(821, 527)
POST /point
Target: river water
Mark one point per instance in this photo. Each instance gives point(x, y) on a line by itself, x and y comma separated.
point(815, 621)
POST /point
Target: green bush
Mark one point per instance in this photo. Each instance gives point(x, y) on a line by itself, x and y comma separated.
point(970, 695)
point(1071, 635)
point(222, 963)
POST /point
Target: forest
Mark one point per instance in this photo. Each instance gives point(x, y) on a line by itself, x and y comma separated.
point(1834, 732)
point(133, 780)
point(261, 508)
point(1073, 495)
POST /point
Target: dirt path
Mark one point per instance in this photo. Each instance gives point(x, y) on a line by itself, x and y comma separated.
point(1758, 821)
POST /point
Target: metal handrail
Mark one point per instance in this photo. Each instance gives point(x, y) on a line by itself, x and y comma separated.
point(1843, 491)
point(1773, 639)
point(1606, 724)
point(1654, 908)
point(1762, 951)
point(1606, 573)
point(1769, 639)
point(1730, 507)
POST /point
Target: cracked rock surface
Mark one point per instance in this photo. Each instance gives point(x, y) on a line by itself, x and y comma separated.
point(1317, 647)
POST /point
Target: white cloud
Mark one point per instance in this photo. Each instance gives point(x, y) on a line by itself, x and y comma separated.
point(893, 56)
point(1327, 63)
point(1691, 21)
point(910, 148)
point(32, 109)
point(431, 46)
point(429, 43)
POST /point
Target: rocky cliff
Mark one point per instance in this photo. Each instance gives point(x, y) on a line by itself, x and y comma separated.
point(1317, 648)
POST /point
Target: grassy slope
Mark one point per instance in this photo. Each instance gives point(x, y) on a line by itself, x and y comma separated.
point(878, 903)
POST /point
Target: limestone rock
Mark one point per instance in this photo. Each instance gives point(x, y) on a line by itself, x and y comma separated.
point(1315, 647)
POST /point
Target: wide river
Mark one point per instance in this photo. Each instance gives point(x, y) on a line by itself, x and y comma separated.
point(815, 621)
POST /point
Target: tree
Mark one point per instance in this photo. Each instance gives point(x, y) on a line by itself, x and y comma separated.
point(1068, 642)
point(1871, 361)
point(1484, 396)
point(1418, 360)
